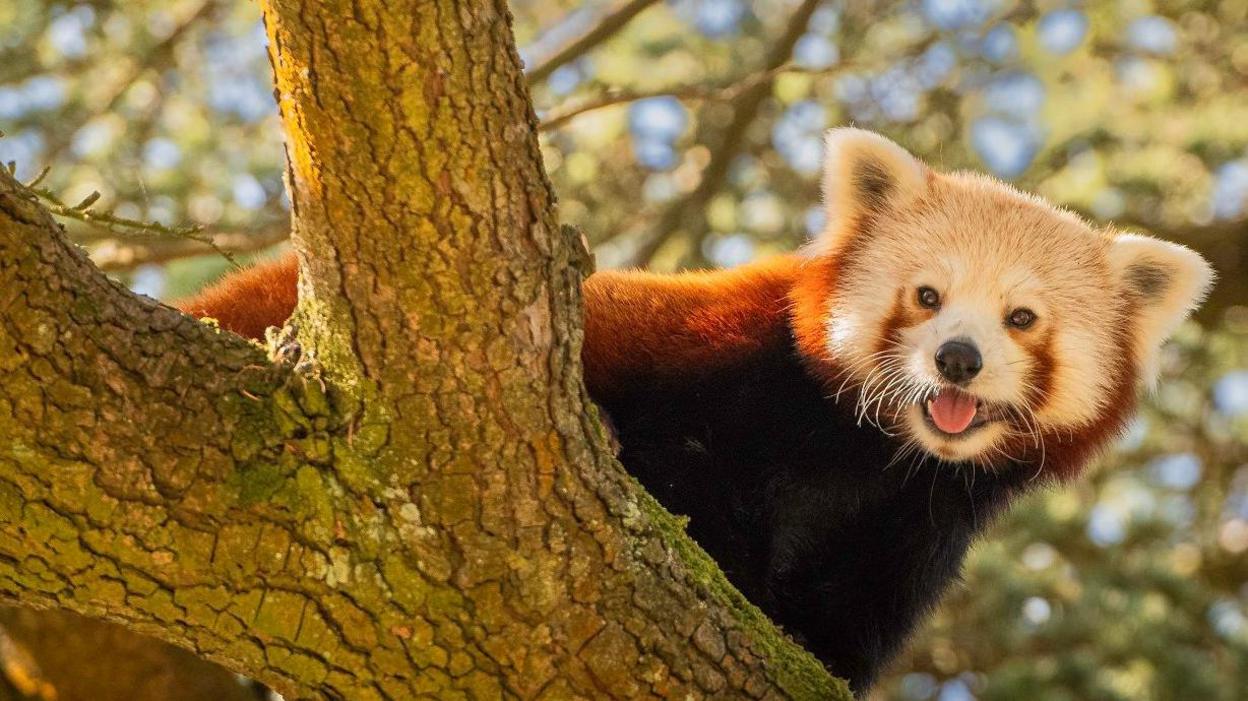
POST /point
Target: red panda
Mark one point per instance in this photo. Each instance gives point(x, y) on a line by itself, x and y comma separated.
point(840, 423)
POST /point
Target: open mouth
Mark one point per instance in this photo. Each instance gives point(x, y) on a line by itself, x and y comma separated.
point(954, 413)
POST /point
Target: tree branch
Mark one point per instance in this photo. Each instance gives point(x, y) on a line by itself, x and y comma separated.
point(56, 654)
point(605, 29)
point(123, 469)
point(158, 53)
point(437, 291)
point(114, 255)
point(689, 210)
point(123, 226)
point(417, 501)
point(700, 93)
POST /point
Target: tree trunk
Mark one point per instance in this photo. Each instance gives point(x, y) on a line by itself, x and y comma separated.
point(410, 496)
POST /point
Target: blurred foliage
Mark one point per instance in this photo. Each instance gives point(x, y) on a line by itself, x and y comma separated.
point(1128, 585)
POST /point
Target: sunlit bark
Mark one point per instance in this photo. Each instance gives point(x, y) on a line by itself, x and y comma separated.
point(409, 495)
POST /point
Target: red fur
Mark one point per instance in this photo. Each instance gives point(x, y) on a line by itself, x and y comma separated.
point(249, 301)
point(663, 325)
point(809, 299)
point(1066, 454)
point(668, 327)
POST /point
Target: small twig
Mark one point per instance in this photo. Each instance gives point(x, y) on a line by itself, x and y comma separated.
point(688, 212)
point(124, 225)
point(605, 29)
point(725, 93)
point(155, 56)
point(87, 201)
point(126, 254)
point(39, 178)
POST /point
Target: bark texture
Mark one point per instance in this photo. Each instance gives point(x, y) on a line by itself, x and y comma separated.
point(409, 495)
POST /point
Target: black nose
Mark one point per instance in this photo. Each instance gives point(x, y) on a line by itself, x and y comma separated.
point(958, 361)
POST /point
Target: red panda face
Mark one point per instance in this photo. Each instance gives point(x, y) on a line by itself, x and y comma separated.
point(958, 309)
point(978, 323)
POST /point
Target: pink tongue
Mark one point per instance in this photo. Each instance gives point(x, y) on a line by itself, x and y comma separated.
point(952, 411)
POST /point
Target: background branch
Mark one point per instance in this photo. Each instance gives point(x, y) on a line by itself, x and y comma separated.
point(189, 236)
point(688, 212)
point(157, 55)
point(605, 29)
point(118, 254)
point(44, 652)
point(696, 92)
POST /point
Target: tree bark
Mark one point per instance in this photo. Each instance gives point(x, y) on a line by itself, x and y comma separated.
point(410, 495)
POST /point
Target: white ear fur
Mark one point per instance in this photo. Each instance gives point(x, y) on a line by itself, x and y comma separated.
point(865, 173)
point(1167, 282)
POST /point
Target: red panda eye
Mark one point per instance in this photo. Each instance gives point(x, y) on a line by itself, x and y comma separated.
point(1021, 318)
point(929, 298)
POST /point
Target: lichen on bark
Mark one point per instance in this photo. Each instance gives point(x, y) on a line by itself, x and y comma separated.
point(409, 495)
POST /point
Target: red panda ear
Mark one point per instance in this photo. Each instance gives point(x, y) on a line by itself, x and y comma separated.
point(865, 174)
point(1165, 283)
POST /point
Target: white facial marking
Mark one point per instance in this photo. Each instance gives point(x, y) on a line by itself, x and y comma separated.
point(1102, 303)
point(988, 252)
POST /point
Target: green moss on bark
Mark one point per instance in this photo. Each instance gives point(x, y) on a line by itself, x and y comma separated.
point(797, 671)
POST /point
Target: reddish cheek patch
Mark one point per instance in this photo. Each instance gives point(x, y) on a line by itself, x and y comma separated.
point(897, 319)
point(1067, 452)
point(1040, 371)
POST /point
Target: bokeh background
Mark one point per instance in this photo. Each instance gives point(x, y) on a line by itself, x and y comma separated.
point(686, 133)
